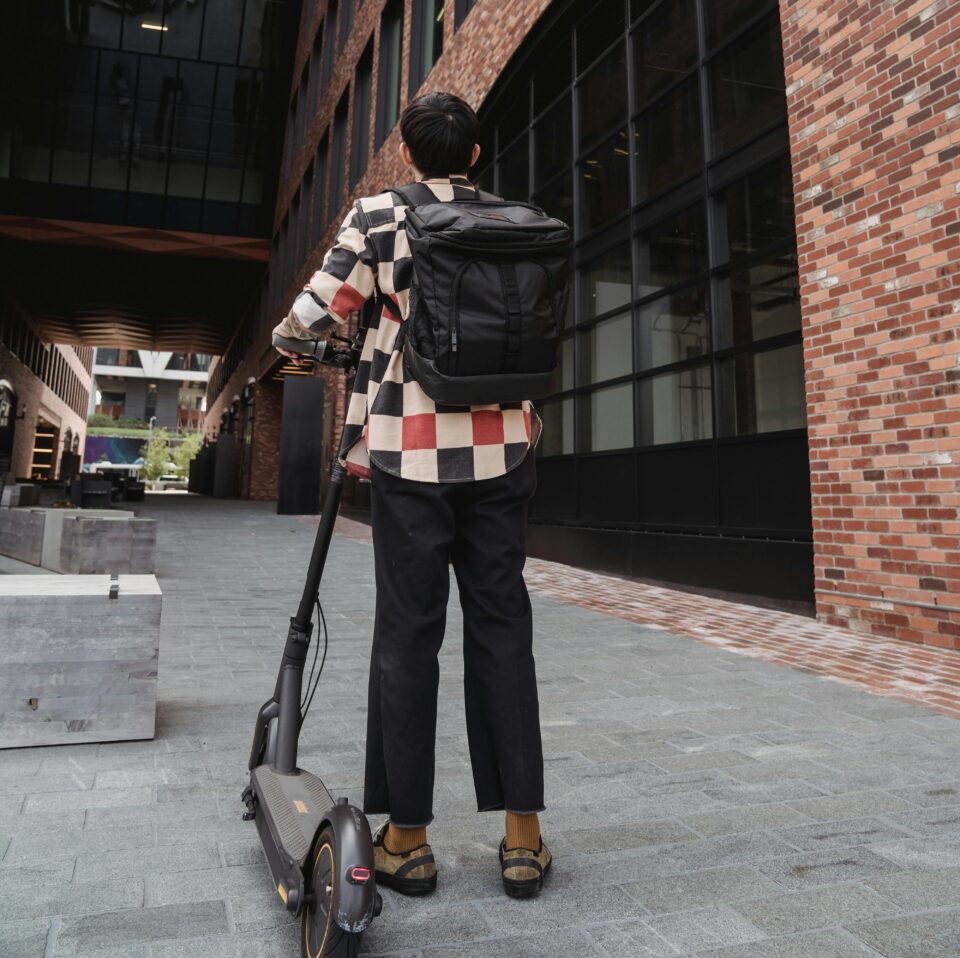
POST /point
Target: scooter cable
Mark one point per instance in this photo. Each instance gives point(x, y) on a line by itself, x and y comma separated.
point(316, 681)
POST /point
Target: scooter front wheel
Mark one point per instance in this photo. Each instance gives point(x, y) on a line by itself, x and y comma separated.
point(322, 936)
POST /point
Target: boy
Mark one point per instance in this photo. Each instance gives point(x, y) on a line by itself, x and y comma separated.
point(447, 484)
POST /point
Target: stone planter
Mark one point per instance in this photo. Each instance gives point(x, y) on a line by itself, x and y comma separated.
point(80, 541)
point(78, 666)
point(21, 534)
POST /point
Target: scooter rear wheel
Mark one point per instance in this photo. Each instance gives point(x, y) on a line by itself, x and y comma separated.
point(322, 936)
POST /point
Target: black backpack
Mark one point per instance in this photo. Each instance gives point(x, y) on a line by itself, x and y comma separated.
point(487, 298)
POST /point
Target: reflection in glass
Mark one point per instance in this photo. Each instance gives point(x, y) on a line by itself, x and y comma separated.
point(557, 198)
point(747, 86)
point(672, 251)
point(602, 96)
point(606, 350)
point(757, 210)
point(669, 142)
point(192, 122)
point(673, 328)
point(227, 138)
point(675, 407)
point(597, 31)
point(664, 48)
point(557, 436)
point(605, 283)
point(73, 125)
point(768, 391)
point(553, 144)
point(117, 133)
point(515, 170)
point(606, 419)
point(566, 363)
point(605, 182)
point(760, 300)
point(553, 75)
point(724, 16)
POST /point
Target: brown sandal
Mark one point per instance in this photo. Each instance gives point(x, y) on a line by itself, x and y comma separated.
point(410, 873)
point(523, 869)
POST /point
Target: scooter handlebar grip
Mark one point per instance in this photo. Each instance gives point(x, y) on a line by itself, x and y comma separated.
point(308, 347)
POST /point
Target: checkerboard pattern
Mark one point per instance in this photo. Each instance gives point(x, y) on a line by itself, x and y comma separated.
point(391, 422)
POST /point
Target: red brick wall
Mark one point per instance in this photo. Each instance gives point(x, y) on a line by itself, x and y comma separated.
point(874, 103)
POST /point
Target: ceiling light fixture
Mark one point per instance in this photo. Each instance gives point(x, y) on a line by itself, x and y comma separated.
point(154, 26)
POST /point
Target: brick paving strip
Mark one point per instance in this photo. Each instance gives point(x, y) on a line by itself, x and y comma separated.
point(919, 674)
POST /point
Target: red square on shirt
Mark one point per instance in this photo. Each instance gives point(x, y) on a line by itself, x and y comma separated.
point(487, 427)
point(420, 431)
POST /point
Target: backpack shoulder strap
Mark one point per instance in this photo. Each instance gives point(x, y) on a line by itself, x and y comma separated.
point(414, 194)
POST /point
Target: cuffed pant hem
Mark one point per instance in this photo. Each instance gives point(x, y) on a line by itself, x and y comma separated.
point(500, 807)
point(429, 821)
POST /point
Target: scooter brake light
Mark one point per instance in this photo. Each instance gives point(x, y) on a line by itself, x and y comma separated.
point(359, 875)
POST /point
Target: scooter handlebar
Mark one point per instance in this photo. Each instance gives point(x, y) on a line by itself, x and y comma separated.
point(307, 347)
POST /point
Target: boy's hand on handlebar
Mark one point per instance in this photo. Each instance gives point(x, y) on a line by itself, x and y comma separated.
point(296, 358)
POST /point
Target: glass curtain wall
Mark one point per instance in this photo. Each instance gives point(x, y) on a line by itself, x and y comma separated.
point(659, 133)
point(165, 115)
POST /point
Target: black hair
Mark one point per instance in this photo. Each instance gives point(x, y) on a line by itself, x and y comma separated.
point(440, 130)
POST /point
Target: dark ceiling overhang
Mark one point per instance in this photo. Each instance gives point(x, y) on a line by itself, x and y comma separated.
point(95, 285)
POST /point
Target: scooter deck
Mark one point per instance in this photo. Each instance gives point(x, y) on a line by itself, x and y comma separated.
point(290, 809)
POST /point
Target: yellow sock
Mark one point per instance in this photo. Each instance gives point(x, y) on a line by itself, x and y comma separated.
point(523, 831)
point(398, 840)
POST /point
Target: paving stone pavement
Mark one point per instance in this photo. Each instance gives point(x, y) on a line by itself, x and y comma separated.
point(700, 802)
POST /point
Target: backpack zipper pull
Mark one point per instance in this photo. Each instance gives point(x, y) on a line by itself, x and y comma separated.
point(453, 340)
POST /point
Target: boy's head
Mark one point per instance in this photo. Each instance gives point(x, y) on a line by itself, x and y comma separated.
point(440, 134)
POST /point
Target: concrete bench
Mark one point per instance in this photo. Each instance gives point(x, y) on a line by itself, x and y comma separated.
point(77, 665)
point(20, 494)
point(80, 541)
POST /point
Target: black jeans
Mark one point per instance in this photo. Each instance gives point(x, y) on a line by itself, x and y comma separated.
point(418, 529)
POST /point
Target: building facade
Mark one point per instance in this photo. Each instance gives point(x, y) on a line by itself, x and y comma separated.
point(168, 388)
point(760, 361)
point(44, 394)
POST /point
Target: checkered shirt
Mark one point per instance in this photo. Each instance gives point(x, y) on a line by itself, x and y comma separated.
point(391, 422)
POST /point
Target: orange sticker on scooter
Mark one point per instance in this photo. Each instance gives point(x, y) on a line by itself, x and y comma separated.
point(300, 807)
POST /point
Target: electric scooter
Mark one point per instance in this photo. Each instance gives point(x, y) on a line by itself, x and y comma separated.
point(320, 850)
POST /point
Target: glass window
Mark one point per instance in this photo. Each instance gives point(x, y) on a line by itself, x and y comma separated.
point(725, 16)
point(306, 214)
point(320, 191)
point(346, 22)
point(557, 198)
point(557, 436)
point(664, 48)
point(115, 130)
point(338, 156)
point(359, 147)
point(316, 68)
point(73, 126)
point(602, 96)
point(152, 139)
point(193, 104)
point(756, 211)
point(553, 74)
point(605, 419)
point(606, 350)
point(221, 33)
point(227, 142)
point(767, 392)
point(462, 9)
point(329, 43)
point(747, 86)
point(759, 301)
point(150, 409)
point(673, 251)
point(426, 39)
point(675, 407)
point(515, 171)
point(673, 328)
point(515, 118)
point(605, 283)
point(566, 363)
point(597, 31)
point(391, 59)
point(182, 35)
point(668, 141)
point(605, 183)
